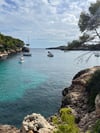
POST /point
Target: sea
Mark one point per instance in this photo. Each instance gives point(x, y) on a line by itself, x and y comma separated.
point(35, 86)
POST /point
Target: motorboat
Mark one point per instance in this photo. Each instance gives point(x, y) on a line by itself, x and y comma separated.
point(97, 54)
point(50, 54)
point(27, 54)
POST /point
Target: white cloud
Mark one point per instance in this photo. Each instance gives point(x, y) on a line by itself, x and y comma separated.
point(41, 18)
point(54, 2)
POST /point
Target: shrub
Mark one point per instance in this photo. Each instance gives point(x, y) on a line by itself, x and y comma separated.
point(96, 127)
point(65, 122)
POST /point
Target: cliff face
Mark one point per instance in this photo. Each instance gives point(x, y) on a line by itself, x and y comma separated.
point(76, 97)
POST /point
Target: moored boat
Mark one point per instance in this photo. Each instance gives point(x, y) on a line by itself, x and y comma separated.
point(21, 59)
point(27, 54)
point(50, 54)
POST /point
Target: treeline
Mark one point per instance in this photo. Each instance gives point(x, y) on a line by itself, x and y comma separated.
point(8, 43)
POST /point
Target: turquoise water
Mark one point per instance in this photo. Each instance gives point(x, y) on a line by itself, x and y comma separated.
point(36, 84)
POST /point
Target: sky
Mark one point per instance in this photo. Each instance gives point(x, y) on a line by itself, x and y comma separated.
point(42, 23)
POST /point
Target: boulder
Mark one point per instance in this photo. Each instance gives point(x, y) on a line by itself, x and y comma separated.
point(8, 129)
point(36, 123)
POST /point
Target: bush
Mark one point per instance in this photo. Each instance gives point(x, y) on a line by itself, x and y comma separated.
point(96, 127)
point(65, 122)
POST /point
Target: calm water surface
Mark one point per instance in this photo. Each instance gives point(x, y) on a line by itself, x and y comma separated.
point(36, 85)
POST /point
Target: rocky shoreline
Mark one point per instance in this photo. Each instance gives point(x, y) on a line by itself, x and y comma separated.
point(74, 97)
point(5, 54)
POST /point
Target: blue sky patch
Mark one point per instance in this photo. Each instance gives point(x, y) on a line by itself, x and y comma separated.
point(11, 5)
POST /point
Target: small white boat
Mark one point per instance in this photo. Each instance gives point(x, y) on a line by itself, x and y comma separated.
point(27, 54)
point(50, 54)
point(21, 59)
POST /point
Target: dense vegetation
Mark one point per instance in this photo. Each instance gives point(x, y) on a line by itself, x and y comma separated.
point(8, 42)
point(93, 88)
point(79, 43)
point(65, 123)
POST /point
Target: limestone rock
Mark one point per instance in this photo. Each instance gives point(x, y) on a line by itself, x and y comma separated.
point(8, 129)
point(36, 123)
point(76, 97)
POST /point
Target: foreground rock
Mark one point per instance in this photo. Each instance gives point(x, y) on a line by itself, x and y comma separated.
point(76, 97)
point(8, 129)
point(35, 123)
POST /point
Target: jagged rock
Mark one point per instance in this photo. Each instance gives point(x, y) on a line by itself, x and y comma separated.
point(76, 97)
point(65, 91)
point(30, 131)
point(8, 129)
point(88, 121)
point(36, 123)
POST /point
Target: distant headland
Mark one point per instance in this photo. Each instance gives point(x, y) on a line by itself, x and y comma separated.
point(10, 45)
point(74, 47)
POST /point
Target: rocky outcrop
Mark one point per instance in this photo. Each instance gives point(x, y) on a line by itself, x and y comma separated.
point(5, 54)
point(76, 97)
point(35, 123)
point(8, 129)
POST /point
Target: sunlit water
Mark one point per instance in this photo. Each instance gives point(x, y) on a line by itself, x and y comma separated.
point(36, 85)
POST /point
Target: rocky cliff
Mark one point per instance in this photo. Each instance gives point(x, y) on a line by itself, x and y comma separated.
point(76, 97)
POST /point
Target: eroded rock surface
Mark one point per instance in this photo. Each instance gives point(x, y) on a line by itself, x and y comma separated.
point(35, 123)
point(76, 97)
point(8, 129)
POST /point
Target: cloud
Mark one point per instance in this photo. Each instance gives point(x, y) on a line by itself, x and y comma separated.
point(41, 18)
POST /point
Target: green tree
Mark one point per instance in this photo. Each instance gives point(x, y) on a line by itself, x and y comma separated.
point(90, 21)
point(8, 42)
